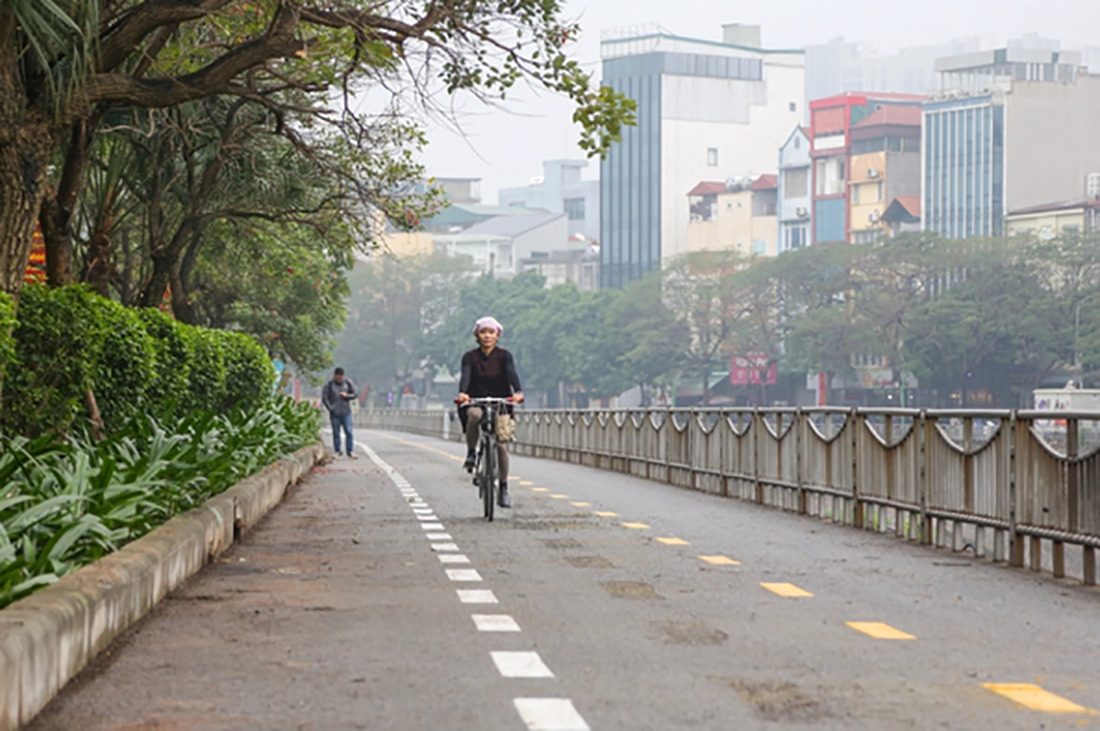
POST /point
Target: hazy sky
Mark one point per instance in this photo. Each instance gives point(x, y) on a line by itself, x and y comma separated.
point(506, 147)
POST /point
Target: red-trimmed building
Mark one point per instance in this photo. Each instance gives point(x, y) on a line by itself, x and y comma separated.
point(833, 121)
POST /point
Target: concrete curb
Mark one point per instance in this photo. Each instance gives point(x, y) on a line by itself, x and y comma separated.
point(47, 638)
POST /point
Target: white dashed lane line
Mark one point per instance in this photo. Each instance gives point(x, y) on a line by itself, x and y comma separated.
point(557, 714)
point(538, 714)
point(521, 665)
point(476, 596)
point(463, 575)
point(495, 623)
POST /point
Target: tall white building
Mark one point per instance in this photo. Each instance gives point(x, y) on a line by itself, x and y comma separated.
point(707, 110)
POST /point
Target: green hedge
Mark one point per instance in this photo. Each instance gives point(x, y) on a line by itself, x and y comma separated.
point(7, 339)
point(136, 361)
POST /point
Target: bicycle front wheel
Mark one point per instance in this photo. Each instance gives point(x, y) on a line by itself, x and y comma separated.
point(489, 488)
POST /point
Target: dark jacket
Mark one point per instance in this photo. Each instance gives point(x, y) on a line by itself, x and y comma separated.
point(492, 375)
point(330, 397)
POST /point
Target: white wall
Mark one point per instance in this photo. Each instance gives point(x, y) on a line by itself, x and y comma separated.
point(551, 236)
point(748, 145)
point(1051, 141)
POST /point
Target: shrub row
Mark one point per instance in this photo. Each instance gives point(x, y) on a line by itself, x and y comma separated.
point(69, 340)
point(69, 502)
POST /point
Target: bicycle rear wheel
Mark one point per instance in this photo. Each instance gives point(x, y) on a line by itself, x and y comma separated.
point(489, 486)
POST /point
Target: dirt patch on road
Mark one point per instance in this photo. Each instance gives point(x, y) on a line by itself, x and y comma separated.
point(691, 633)
point(561, 543)
point(630, 590)
point(779, 700)
point(588, 562)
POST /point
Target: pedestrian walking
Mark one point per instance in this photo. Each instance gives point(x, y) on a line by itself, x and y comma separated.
point(337, 397)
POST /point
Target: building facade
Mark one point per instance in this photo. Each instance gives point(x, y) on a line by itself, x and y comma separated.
point(1009, 130)
point(832, 122)
point(840, 66)
point(736, 216)
point(886, 165)
point(561, 189)
point(1056, 219)
point(579, 266)
point(706, 110)
point(793, 194)
point(499, 244)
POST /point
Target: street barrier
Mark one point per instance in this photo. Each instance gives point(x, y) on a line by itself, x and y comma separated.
point(1014, 486)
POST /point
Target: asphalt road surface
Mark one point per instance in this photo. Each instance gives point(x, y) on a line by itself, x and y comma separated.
point(375, 597)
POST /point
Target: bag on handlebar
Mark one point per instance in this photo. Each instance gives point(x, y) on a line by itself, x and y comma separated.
point(506, 428)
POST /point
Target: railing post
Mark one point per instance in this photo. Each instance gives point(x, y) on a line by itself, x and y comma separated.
point(857, 440)
point(757, 487)
point(668, 430)
point(1072, 497)
point(1015, 544)
point(925, 460)
point(799, 426)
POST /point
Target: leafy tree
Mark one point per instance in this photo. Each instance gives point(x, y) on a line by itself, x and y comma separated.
point(65, 64)
point(399, 312)
point(654, 344)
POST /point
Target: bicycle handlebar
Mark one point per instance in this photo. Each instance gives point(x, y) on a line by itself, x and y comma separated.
point(486, 401)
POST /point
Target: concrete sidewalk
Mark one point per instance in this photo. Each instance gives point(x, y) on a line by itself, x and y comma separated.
point(318, 619)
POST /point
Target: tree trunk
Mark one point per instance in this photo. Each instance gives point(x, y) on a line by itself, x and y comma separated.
point(100, 269)
point(25, 147)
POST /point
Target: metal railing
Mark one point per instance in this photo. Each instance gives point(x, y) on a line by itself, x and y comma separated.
point(1013, 486)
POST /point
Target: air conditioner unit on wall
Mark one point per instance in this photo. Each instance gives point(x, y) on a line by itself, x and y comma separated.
point(801, 212)
point(872, 173)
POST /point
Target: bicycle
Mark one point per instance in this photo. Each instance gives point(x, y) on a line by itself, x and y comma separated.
point(486, 471)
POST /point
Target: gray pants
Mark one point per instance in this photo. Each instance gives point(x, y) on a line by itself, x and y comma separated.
point(473, 431)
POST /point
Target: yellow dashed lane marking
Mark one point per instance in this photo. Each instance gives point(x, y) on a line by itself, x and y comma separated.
point(606, 514)
point(1035, 698)
point(540, 489)
point(636, 526)
point(880, 631)
point(720, 560)
point(525, 482)
point(581, 505)
point(673, 541)
point(786, 590)
point(560, 497)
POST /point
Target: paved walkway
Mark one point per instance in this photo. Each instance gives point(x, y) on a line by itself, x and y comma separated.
point(375, 598)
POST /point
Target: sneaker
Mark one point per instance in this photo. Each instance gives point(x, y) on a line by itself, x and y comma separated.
point(353, 455)
point(471, 460)
point(502, 496)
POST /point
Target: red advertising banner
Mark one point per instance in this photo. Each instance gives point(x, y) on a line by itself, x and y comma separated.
point(749, 370)
point(36, 268)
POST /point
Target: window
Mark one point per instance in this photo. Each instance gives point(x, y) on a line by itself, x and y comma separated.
point(794, 237)
point(798, 143)
point(712, 156)
point(793, 106)
point(574, 208)
point(830, 176)
point(796, 183)
point(855, 194)
point(879, 191)
point(759, 247)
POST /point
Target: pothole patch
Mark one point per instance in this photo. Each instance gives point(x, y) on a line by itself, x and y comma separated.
point(629, 590)
point(562, 543)
point(691, 633)
point(780, 700)
point(588, 562)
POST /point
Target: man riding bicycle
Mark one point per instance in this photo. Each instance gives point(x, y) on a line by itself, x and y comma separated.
point(487, 372)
